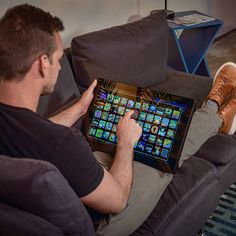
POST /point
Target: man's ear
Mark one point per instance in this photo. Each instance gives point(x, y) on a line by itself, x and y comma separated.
point(43, 65)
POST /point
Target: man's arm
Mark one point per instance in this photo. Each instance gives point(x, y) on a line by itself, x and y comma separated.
point(112, 194)
point(71, 114)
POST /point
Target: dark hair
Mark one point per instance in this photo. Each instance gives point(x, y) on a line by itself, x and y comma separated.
point(26, 33)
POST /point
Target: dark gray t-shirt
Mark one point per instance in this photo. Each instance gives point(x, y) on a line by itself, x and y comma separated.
point(24, 133)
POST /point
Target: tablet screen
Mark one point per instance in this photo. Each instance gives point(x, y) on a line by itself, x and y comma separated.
point(164, 119)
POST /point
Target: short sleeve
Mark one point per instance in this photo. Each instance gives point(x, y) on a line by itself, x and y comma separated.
point(75, 159)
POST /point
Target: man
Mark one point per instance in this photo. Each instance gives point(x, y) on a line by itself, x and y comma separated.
point(30, 53)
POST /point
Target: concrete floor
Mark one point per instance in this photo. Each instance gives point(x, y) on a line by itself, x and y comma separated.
point(221, 51)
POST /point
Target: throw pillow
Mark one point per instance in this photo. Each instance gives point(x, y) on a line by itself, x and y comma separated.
point(133, 53)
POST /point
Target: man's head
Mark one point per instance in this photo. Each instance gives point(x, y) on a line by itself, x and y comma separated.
point(26, 34)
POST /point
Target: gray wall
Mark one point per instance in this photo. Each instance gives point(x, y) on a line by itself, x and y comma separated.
point(82, 16)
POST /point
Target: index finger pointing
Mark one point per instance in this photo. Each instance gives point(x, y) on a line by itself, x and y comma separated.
point(129, 114)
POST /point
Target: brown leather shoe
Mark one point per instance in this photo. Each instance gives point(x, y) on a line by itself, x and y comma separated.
point(224, 83)
point(227, 113)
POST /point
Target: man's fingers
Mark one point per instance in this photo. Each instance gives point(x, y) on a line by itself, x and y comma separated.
point(93, 85)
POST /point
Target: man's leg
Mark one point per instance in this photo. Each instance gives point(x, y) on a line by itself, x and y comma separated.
point(147, 188)
point(205, 124)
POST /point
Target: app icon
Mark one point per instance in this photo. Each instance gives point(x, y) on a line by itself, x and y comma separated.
point(154, 129)
point(95, 122)
point(130, 104)
point(123, 101)
point(100, 105)
point(110, 97)
point(141, 146)
point(170, 133)
point(152, 108)
point(92, 131)
point(142, 115)
point(167, 143)
point(111, 117)
point(176, 114)
point(150, 118)
point(157, 120)
point(146, 127)
point(168, 111)
point(107, 107)
point(165, 122)
point(99, 133)
point(114, 128)
point(112, 138)
point(173, 124)
point(116, 99)
point(164, 153)
point(144, 137)
point(108, 126)
point(159, 141)
point(135, 115)
point(104, 115)
point(105, 135)
point(149, 148)
point(156, 150)
point(137, 105)
point(151, 138)
point(97, 113)
point(162, 132)
point(114, 108)
point(102, 124)
point(121, 110)
point(145, 106)
point(117, 119)
point(103, 96)
point(160, 110)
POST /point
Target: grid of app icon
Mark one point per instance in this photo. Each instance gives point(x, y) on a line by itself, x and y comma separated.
point(159, 122)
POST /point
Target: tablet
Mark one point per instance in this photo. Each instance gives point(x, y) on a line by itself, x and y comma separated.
point(164, 119)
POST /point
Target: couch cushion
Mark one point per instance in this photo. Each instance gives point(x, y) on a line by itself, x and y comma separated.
point(134, 53)
point(64, 92)
point(219, 149)
point(39, 188)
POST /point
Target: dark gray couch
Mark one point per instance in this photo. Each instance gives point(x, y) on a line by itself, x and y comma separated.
point(35, 199)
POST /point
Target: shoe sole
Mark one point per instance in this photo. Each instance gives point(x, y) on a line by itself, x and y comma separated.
point(233, 126)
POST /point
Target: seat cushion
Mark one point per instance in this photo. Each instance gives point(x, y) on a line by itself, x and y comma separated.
point(39, 188)
point(134, 53)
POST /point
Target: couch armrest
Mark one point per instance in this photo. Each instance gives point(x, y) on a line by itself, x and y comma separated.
point(187, 85)
point(18, 222)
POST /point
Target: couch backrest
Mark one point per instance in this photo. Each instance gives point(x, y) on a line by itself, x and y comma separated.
point(64, 92)
point(134, 53)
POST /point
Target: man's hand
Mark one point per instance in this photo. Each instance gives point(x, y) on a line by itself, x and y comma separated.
point(71, 114)
point(87, 98)
point(128, 131)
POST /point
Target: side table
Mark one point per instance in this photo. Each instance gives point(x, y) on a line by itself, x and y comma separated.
point(188, 44)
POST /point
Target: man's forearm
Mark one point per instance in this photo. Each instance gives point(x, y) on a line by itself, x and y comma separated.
point(122, 169)
point(69, 115)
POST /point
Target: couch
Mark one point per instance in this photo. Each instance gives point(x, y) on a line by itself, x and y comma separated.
point(35, 199)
